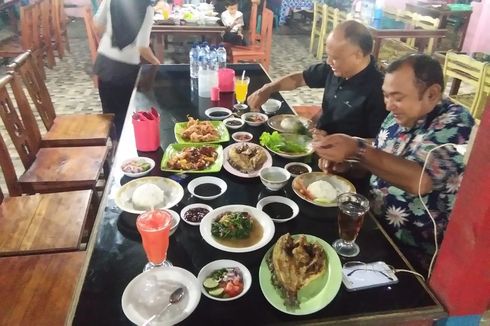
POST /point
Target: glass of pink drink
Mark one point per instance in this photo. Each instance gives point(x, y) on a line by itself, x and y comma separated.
point(154, 228)
point(352, 208)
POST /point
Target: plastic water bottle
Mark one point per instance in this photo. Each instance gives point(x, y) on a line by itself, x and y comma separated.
point(194, 60)
point(221, 56)
point(212, 58)
point(202, 58)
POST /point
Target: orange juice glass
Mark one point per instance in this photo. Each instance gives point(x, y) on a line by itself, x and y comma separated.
point(241, 89)
point(154, 228)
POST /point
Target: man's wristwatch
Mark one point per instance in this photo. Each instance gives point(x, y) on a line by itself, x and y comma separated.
point(361, 148)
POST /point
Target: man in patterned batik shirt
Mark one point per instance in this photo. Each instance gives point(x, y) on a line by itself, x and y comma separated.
point(418, 121)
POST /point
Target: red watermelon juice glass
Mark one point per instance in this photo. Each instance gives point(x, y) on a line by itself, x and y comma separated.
point(154, 228)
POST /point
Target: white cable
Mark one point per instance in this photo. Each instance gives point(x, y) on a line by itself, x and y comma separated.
point(436, 244)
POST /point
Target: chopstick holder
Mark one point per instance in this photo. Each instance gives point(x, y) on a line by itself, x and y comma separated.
point(147, 131)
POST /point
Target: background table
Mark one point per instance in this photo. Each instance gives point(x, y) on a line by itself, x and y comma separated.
point(117, 255)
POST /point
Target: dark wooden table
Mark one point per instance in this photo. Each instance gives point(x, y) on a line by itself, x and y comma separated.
point(159, 33)
point(117, 255)
point(389, 27)
point(443, 12)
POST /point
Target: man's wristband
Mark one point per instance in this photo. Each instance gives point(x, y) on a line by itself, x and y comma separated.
point(361, 148)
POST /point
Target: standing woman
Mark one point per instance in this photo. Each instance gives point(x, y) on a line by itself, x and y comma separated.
point(126, 27)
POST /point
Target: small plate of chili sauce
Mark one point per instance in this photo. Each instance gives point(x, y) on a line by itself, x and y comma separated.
point(193, 214)
point(279, 208)
point(297, 168)
point(207, 188)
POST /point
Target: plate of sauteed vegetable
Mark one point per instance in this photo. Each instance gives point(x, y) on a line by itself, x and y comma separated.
point(237, 228)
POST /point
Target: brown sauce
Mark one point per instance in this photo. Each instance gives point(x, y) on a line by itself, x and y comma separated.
point(254, 237)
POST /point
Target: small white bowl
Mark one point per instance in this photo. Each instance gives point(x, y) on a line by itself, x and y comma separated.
point(242, 136)
point(271, 106)
point(240, 107)
point(188, 207)
point(274, 177)
point(237, 126)
point(203, 180)
point(308, 168)
point(206, 271)
point(175, 221)
point(138, 159)
point(279, 199)
point(209, 112)
point(263, 118)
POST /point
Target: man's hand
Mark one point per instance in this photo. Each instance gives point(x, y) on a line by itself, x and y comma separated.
point(257, 98)
point(335, 148)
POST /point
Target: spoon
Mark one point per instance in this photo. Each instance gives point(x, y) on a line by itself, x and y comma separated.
point(174, 298)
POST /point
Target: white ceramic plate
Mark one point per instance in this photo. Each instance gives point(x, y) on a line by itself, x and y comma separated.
point(304, 180)
point(260, 217)
point(306, 140)
point(228, 167)
point(197, 205)
point(173, 193)
point(224, 263)
point(191, 186)
point(275, 122)
point(138, 174)
point(148, 292)
point(279, 199)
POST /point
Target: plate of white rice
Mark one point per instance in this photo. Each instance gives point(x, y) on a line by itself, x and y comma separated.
point(146, 193)
point(321, 189)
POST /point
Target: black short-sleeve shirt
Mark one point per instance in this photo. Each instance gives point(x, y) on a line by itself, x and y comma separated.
point(353, 106)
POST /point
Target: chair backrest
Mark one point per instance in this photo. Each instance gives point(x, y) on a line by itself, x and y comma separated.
point(29, 24)
point(471, 72)
point(252, 26)
point(8, 169)
point(429, 23)
point(92, 36)
point(24, 133)
point(45, 7)
point(266, 31)
point(24, 65)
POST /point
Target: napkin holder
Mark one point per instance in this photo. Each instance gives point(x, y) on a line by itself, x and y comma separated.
point(147, 130)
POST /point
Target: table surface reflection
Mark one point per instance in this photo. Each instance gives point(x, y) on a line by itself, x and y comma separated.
point(117, 255)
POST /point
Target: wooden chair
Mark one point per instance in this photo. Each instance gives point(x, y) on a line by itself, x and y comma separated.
point(30, 38)
point(261, 52)
point(319, 28)
point(42, 222)
point(92, 36)
point(39, 289)
point(47, 169)
point(59, 28)
point(46, 36)
point(252, 28)
point(473, 73)
point(63, 130)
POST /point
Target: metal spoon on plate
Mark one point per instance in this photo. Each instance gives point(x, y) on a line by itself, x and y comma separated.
point(174, 298)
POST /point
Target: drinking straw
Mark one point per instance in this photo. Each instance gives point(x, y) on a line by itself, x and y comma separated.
point(243, 75)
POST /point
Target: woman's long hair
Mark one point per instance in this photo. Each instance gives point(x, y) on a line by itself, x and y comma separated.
point(127, 17)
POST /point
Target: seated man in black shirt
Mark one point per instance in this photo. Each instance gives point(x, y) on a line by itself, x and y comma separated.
point(353, 101)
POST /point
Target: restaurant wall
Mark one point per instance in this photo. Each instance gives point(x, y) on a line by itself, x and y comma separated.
point(477, 37)
point(73, 8)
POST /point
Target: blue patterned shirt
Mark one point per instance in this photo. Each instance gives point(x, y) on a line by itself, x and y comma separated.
point(402, 213)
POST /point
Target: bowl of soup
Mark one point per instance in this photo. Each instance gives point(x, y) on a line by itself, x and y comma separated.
point(274, 177)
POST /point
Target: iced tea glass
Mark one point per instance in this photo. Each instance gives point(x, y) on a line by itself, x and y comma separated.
point(154, 228)
point(241, 90)
point(352, 208)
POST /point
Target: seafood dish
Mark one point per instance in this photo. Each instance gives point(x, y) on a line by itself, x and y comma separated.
point(200, 131)
point(246, 158)
point(193, 158)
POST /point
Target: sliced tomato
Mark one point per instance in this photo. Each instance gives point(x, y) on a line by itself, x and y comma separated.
point(232, 290)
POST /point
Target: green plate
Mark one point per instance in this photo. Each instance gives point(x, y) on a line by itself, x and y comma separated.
point(219, 125)
point(315, 303)
point(173, 149)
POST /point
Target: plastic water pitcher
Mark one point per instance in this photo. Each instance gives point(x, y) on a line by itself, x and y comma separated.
point(207, 79)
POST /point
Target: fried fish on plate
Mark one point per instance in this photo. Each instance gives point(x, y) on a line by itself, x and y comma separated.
point(297, 268)
point(246, 157)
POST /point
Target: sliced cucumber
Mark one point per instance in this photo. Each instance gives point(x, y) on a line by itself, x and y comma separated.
point(216, 292)
point(210, 283)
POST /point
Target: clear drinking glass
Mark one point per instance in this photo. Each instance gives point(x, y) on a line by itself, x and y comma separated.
point(352, 208)
point(241, 90)
point(154, 228)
